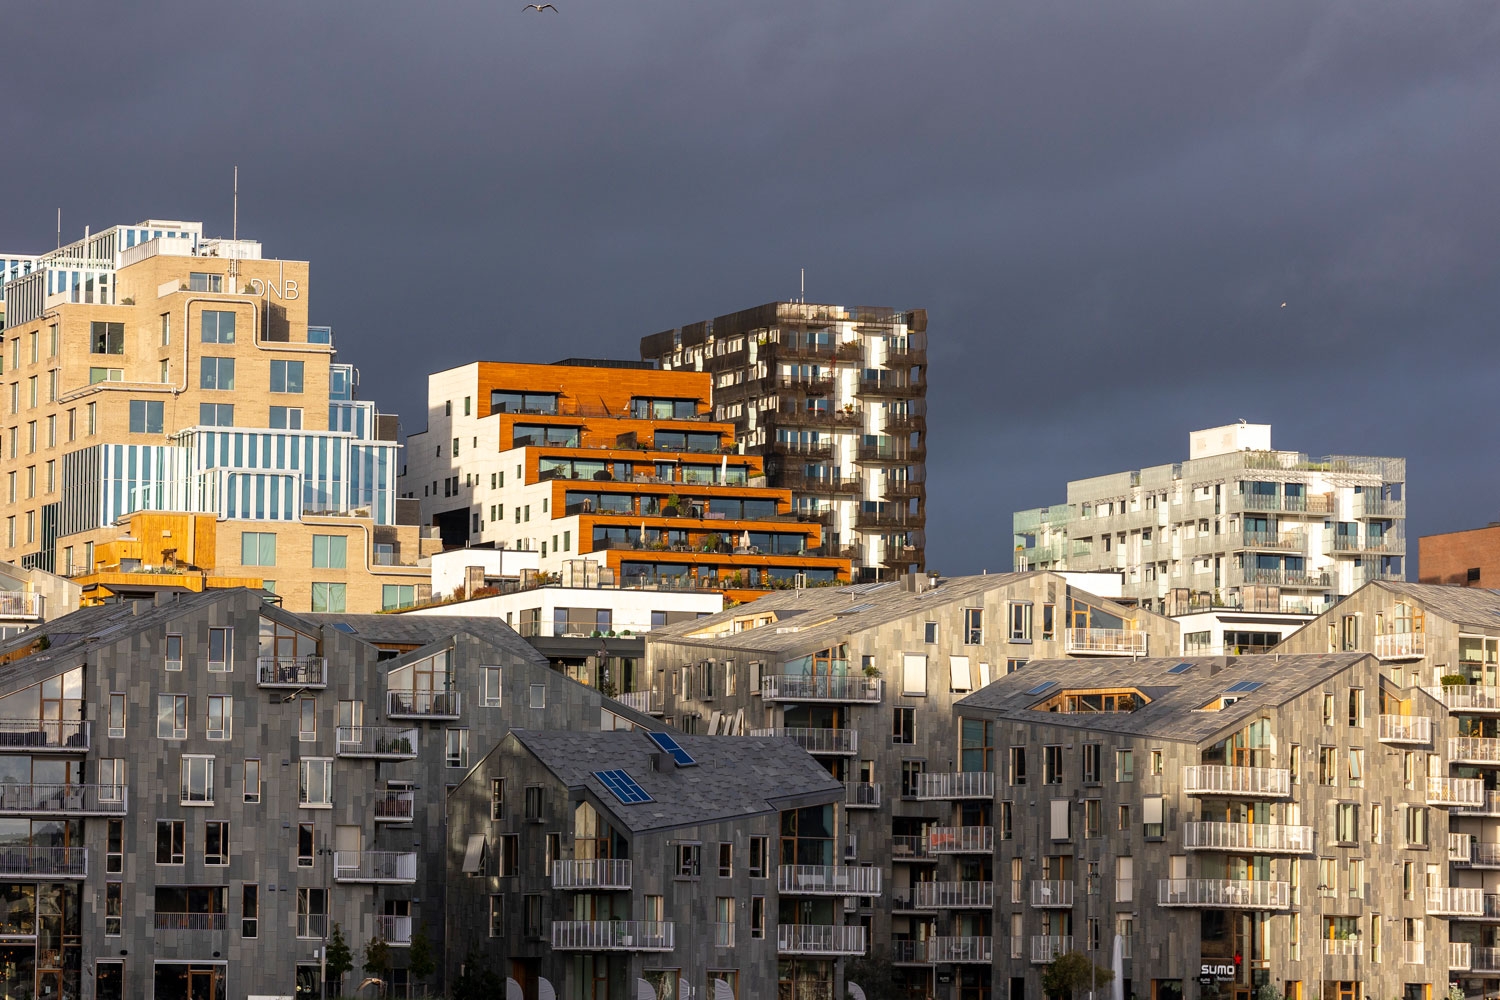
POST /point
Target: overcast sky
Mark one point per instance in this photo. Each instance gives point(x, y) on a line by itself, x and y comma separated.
point(1102, 205)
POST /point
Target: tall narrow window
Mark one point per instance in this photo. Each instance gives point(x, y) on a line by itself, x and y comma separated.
point(197, 780)
point(114, 847)
point(174, 652)
point(304, 845)
point(250, 910)
point(117, 716)
point(114, 908)
point(307, 726)
point(220, 650)
point(252, 780)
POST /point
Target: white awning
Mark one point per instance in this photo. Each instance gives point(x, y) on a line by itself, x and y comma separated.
point(643, 990)
point(544, 990)
point(474, 855)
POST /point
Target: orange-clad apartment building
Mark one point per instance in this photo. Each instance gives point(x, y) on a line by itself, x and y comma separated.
point(615, 461)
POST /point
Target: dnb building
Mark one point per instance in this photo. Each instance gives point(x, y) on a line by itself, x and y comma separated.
point(169, 417)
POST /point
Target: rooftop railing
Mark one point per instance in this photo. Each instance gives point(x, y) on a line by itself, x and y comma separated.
point(20, 604)
point(1106, 641)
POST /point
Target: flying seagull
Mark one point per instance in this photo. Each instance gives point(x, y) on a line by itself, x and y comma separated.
point(539, 7)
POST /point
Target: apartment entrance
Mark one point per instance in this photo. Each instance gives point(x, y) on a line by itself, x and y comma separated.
point(190, 981)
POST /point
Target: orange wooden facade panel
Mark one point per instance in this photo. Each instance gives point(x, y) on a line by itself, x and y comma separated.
point(606, 389)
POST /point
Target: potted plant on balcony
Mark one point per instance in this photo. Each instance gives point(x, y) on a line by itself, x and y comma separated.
point(871, 670)
point(669, 509)
point(1453, 680)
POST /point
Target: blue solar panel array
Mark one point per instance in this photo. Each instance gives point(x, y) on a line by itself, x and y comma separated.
point(1244, 686)
point(1044, 686)
point(623, 785)
point(671, 746)
point(1181, 668)
point(344, 627)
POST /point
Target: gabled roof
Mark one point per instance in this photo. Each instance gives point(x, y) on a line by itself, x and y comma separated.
point(734, 777)
point(1177, 696)
point(422, 630)
point(1469, 606)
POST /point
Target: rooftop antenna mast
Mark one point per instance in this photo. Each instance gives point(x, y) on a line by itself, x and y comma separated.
point(234, 260)
point(803, 297)
point(59, 229)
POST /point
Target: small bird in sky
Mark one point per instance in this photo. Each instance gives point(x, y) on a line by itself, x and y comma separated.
point(539, 7)
point(1283, 305)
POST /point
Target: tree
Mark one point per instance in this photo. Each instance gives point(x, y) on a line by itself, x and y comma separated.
point(1073, 972)
point(875, 975)
point(378, 960)
point(420, 962)
point(338, 960)
point(476, 981)
point(1268, 992)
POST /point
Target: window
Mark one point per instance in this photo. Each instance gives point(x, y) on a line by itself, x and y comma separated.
point(1007, 828)
point(1328, 765)
point(1356, 707)
point(252, 780)
point(1122, 818)
point(286, 418)
point(688, 856)
point(258, 548)
point(199, 281)
point(1356, 877)
point(197, 780)
point(328, 597)
point(114, 847)
point(166, 331)
point(220, 717)
point(1156, 762)
point(216, 373)
point(457, 752)
point(930, 633)
point(220, 650)
point(1017, 770)
point(171, 842)
point(974, 626)
point(250, 910)
point(1416, 826)
point(1356, 767)
point(757, 917)
point(212, 414)
point(330, 551)
point(106, 338)
point(509, 856)
point(307, 721)
point(145, 416)
point(489, 695)
point(532, 905)
point(497, 915)
point(1377, 824)
point(286, 376)
point(904, 727)
point(1093, 818)
point(174, 653)
point(397, 595)
point(217, 326)
point(312, 912)
point(1052, 765)
point(315, 782)
point(304, 845)
point(760, 853)
point(114, 908)
point(171, 716)
point(1327, 708)
point(1152, 816)
point(538, 696)
point(914, 673)
point(497, 799)
point(1124, 765)
point(216, 843)
point(1328, 877)
point(1091, 755)
point(726, 860)
point(117, 716)
point(1020, 621)
point(1346, 822)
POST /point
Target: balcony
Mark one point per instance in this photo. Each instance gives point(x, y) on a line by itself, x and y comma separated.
point(1415, 729)
point(968, 950)
point(393, 929)
point(1472, 699)
point(956, 785)
point(888, 520)
point(954, 895)
point(1490, 806)
point(641, 701)
point(861, 795)
point(842, 688)
point(1484, 960)
point(1047, 948)
point(375, 867)
point(1277, 541)
point(801, 449)
point(1452, 901)
point(613, 935)
point(395, 807)
point(907, 952)
point(1282, 578)
point(44, 862)
point(1467, 792)
point(1473, 750)
point(1459, 848)
point(62, 800)
point(293, 672)
point(1401, 646)
point(1257, 838)
point(592, 874)
point(423, 704)
point(961, 840)
point(889, 452)
point(892, 384)
point(1237, 782)
point(909, 848)
point(1460, 958)
point(1478, 855)
point(1052, 894)
point(49, 736)
point(377, 742)
point(1337, 947)
point(191, 921)
point(1224, 893)
point(796, 479)
point(819, 939)
point(813, 385)
point(1105, 642)
point(19, 604)
point(903, 900)
point(827, 880)
point(825, 741)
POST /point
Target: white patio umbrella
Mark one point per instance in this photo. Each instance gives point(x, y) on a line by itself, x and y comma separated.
point(1117, 963)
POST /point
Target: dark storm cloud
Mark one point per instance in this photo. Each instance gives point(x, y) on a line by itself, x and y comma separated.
point(1102, 205)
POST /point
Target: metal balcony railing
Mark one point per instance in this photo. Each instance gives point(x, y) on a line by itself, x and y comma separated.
point(1481, 855)
point(1459, 956)
point(1051, 893)
point(962, 949)
point(827, 880)
point(1224, 893)
point(829, 741)
point(904, 899)
point(393, 929)
point(1343, 946)
point(956, 785)
point(380, 742)
point(1443, 791)
point(291, 671)
point(861, 795)
point(905, 847)
point(592, 874)
point(1488, 806)
point(1261, 838)
point(40, 736)
point(1468, 697)
point(424, 704)
point(191, 921)
point(1405, 729)
point(808, 687)
point(638, 700)
point(907, 952)
point(819, 939)
point(1401, 646)
point(32, 799)
point(613, 935)
point(374, 866)
point(396, 807)
point(1484, 959)
point(1220, 779)
point(1453, 901)
point(44, 862)
point(1047, 948)
point(954, 895)
point(1473, 750)
point(961, 839)
point(19, 604)
point(1106, 641)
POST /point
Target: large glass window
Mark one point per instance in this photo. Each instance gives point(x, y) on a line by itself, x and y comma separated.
point(315, 782)
point(197, 781)
point(286, 376)
point(328, 597)
point(397, 595)
point(258, 548)
point(286, 418)
point(198, 281)
point(145, 416)
point(539, 434)
point(643, 408)
point(106, 338)
point(215, 414)
point(218, 326)
point(330, 551)
point(510, 401)
point(171, 716)
point(216, 373)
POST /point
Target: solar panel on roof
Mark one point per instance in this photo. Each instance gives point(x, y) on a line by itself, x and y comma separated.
point(344, 627)
point(623, 786)
point(671, 746)
point(1243, 686)
point(856, 609)
point(1181, 668)
point(1044, 686)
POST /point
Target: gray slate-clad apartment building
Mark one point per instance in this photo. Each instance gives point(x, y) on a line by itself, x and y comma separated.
point(1251, 819)
point(197, 788)
point(600, 861)
point(1440, 642)
point(866, 678)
